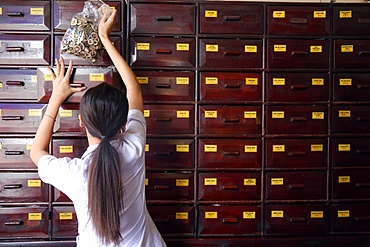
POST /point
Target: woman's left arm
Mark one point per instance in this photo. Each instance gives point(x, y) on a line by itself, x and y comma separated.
point(61, 90)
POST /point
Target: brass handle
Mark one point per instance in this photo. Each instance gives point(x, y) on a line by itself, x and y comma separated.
point(232, 85)
point(297, 220)
point(231, 53)
point(14, 48)
point(299, 53)
point(76, 84)
point(296, 186)
point(14, 223)
point(13, 152)
point(362, 218)
point(362, 151)
point(11, 118)
point(360, 53)
point(162, 85)
point(298, 119)
point(235, 153)
point(165, 18)
point(162, 119)
point(18, 14)
point(359, 86)
point(293, 87)
point(230, 187)
point(231, 120)
point(363, 20)
point(362, 185)
point(12, 186)
point(363, 119)
point(163, 51)
point(233, 18)
point(15, 83)
point(230, 220)
point(296, 154)
point(299, 20)
point(161, 187)
point(162, 153)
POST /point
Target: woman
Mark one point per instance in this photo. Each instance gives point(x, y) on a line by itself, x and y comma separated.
point(106, 185)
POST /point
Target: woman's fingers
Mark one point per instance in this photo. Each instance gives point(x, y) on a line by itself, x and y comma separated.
point(51, 72)
point(62, 68)
point(69, 70)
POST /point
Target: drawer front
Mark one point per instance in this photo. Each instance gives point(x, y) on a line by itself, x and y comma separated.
point(22, 187)
point(20, 118)
point(169, 154)
point(170, 119)
point(294, 54)
point(173, 220)
point(351, 54)
point(162, 52)
point(20, 85)
point(230, 87)
point(25, 15)
point(229, 220)
point(296, 153)
point(162, 18)
point(169, 187)
point(230, 153)
point(68, 119)
point(351, 87)
point(296, 186)
point(298, 20)
point(349, 184)
point(24, 222)
point(64, 222)
point(296, 119)
point(166, 86)
point(226, 120)
point(59, 196)
point(72, 148)
point(297, 87)
point(65, 10)
point(350, 119)
point(350, 153)
point(350, 218)
point(15, 153)
point(230, 186)
point(230, 53)
point(297, 219)
point(231, 19)
point(25, 49)
point(351, 20)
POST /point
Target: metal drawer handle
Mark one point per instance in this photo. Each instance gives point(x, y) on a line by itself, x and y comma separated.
point(297, 220)
point(363, 119)
point(360, 53)
point(161, 187)
point(296, 186)
point(15, 83)
point(230, 220)
point(232, 85)
point(167, 220)
point(290, 154)
point(235, 153)
point(14, 48)
point(231, 120)
point(230, 187)
point(165, 18)
point(363, 20)
point(293, 87)
point(162, 119)
point(18, 14)
point(299, 53)
point(162, 153)
point(233, 18)
point(359, 86)
point(162, 85)
point(362, 218)
point(11, 118)
point(75, 84)
point(14, 223)
point(14, 152)
point(298, 119)
point(12, 186)
point(362, 151)
point(299, 20)
point(362, 185)
point(163, 51)
point(231, 53)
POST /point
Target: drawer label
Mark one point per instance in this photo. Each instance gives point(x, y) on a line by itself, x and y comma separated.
point(315, 48)
point(146, 147)
point(33, 78)
point(182, 80)
point(250, 48)
point(278, 14)
point(345, 82)
point(317, 214)
point(251, 81)
point(182, 148)
point(34, 183)
point(277, 214)
point(318, 115)
point(250, 181)
point(28, 146)
point(182, 114)
point(279, 48)
point(211, 80)
point(96, 77)
point(210, 215)
point(346, 48)
point(210, 13)
point(34, 216)
point(146, 113)
point(34, 112)
point(65, 113)
point(1, 146)
point(210, 114)
point(65, 149)
point(48, 77)
point(1, 12)
point(210, 181)
point(66, 216)
point(317, 147)
point(343, 213)
point(36, 44)
point(143, 46)
point(278, 148)
point(36, 11)
point(344, 113)
point(143, 80)
point(146, 181)
point(212, 48)
point(319, 14)
point(278, 81)
point(317, 81)
point(344, 179)
point(249, 215)
point(277, 181)
point(344, 147)
point(1, 84)
point(210, 148)
point(181, 216)
point(182, 47)
point(277, 114)
point(250, 149)
point(250, 114)
point(345, 14)
point(182, 182)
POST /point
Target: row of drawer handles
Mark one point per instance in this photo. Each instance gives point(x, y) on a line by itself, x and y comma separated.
point(226, 18)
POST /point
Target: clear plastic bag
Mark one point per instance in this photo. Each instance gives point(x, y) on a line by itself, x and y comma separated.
point(81, 38)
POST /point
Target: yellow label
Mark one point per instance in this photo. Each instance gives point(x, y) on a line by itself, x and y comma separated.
point(279, 48)
point(34, 216)
point(343, 213)
point(143, 80)
point(66, 216)
point(182, 47)
point(146, 147)
point(212, 48)
point(315, 48)
point(0, 112)
point(211, 80)
point(182, 182)
point(182, 114)
point(278, 14)
point(181, 216)
point(1, 146)
point(48, 77)
point(277, 181)
point(1, 10)
point(36, 11)
point(182, 80)
point(277, 114)
point(345, 82)
point(250, 181)
point(97, 77)
point(278, 81)
point(317, 81)
point(249, 215)
point(250, 114)
point(250, 148)
point(345, 14)
point(344, 147)
point(278, 148)
point(1, 84)
point(34, 112)
point(210, 148)
point(143, 46)
point(146, 113)
point(250, 48)
point(28, 146)
point(146, 181)
point(317, 214)
point(277, 214)
point(65, 113)
point(344, 179)
point(346, 48)
point(344, 113)
point(318, 115)
point(210, 114)
point(182, 148)
point(210, 13)
point(251, 81)
point(34, 183)
point(66, 149)
point(317, 147)
point(210, 181)
point(319, 14)
point(33, 78)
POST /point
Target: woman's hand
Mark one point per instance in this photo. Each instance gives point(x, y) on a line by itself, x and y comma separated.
point(106, 23)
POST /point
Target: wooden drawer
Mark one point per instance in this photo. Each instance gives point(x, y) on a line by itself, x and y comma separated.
point(173, 220)
point(229, 220)
point(229, 186)
point(350, 218)
point(350, 119)
point(64, 223)
point(64, 11)
point(296, 153)
point(216, 87)
point(59, 196)
point(20, 118)
point(351, 54)
point(162, 52)
point(22, 222)
point(177, 187)
point(230, 53)
point(72, 148)
point(22, 187)
point(296, 119)
point(297, 87)
point(162, 18)
point(350, 153)
point(169, 154)
point(351, 20)
point(230, 153)
point(25, 15)
point(68, 119)
point(297, 219)
point(351, 87)
point(231, 19)
point(19, 85)
point(234, 120)
point(15, 153)
point(24, 49)
point(350, 184)
point(296, 186)
point(298, 54)
point(167, 86)
point(299, 20)
point(170, 119)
